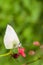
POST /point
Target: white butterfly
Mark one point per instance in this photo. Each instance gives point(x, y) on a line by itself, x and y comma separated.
point(11, 39)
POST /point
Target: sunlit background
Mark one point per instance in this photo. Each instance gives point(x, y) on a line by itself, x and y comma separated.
point(26, 17)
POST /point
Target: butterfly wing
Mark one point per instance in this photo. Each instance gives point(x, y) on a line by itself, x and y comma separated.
point(10, 39)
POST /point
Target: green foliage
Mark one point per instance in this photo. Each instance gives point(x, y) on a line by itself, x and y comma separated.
point(26, 17)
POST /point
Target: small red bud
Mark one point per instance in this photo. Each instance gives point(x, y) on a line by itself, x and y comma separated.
point(15, 55)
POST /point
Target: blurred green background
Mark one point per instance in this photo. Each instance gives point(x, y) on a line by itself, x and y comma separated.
point(26, 17)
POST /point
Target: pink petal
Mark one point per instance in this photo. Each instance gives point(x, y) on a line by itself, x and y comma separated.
point(21, 52)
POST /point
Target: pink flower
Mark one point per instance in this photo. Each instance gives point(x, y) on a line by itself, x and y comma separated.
point(31, 52)
point(21, 52)
point(36, 43)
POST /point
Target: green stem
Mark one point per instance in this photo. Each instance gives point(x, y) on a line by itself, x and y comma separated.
point(6, 54)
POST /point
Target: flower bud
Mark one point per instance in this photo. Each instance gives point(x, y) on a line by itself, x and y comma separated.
point(15, 55)
point(36, 43)
point(41, 46)
point(31, 52)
